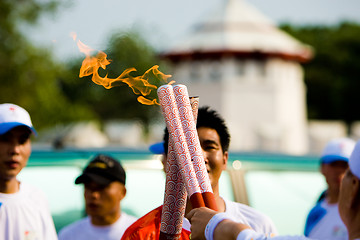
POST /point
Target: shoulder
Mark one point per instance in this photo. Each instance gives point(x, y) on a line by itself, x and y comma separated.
point(127, 219)
point(145, 226)
point(32, 192)
point(239, 208)
point(28, 197)
point(256, 219)
point(26, 188)
point(70, 231)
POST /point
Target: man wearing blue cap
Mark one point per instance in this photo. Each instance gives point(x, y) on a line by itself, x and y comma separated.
point(214, 139)
point(24, 212)
point(208, 224)
point(323, 221)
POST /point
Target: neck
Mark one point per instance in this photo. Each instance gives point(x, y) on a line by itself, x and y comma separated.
point(333, 196)
point(9, 186)
point(105, 220)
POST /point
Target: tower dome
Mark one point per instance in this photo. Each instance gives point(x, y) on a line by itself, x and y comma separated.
point(237, 28)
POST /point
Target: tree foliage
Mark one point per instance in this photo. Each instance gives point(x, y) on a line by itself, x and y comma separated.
point(53, 92)
point(29, 74)
point(332, 77)
point(125, 50)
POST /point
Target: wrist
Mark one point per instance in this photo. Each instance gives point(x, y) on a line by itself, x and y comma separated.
point(212, 224)
point(226, 229)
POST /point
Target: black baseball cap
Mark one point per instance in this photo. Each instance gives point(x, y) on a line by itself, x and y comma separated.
point(103, 170)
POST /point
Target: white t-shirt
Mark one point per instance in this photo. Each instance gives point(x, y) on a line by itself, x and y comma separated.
point(25, 215)
point(243, 213)
point(85, 230)
point(330, 227)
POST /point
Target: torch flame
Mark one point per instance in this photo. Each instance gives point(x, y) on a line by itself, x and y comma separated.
point(139, 84)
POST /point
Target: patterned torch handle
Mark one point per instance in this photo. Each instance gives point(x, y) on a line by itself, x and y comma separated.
point(173, 123)
point(193, 143)
point(194, 101)
point(175, 192)
point(174, 198)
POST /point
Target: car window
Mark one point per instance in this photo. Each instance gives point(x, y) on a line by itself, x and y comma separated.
point(65, 198)
point(285, 196)
point(145, 189)
point(283, 187)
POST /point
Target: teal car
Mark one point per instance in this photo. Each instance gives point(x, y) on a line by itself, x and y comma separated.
point(282, 186)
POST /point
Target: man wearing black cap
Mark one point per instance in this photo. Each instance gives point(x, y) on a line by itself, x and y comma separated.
point(104, 188)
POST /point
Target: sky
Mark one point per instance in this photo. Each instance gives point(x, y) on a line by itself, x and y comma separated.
point(164, 21)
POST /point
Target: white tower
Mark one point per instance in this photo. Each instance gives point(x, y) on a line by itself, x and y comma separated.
point(239, 63)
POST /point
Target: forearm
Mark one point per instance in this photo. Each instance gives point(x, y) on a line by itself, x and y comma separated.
point(228, 229)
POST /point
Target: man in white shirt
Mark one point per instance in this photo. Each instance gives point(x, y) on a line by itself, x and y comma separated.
point(214, 140)
point(24, 211)
point(208, 224)
point(323, 221)
point(104, 188)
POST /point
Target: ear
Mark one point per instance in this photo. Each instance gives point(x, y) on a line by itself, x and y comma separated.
point(122, 191)
point(225, 160)
point(355, 191)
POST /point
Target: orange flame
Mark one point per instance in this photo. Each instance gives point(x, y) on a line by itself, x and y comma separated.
point(140, 85)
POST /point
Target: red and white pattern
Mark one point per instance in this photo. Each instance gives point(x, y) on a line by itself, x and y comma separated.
point(176, 133)
point(185, 168)
point(175, 192)
point(191, 136)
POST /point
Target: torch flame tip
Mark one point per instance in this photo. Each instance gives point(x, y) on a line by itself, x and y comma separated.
point(140, 85)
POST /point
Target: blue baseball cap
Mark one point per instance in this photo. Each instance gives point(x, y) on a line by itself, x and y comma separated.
point(337, 150)
point(157, 148)
point(11, 116)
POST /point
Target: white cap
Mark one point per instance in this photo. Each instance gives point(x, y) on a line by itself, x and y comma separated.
point(338, 149)
point(12, 115)
point(354, 162)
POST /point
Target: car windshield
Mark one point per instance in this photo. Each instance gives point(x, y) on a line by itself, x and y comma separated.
point(273, 184)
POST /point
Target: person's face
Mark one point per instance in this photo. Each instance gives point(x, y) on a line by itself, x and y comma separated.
point(334, 172)
point(215, 159)
point(15, 150)
point(101, 201)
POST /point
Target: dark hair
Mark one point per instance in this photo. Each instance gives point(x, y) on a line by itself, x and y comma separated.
point(211, 119)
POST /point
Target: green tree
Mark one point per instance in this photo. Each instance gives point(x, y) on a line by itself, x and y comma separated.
point(125, 50)
point(332, 77)
point(29, 74)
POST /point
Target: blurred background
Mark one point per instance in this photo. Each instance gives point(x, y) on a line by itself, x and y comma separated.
point(294, 67)
point(284, 74)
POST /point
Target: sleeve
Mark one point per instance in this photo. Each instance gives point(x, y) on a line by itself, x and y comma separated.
point(250, 234)
point(314, 217)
